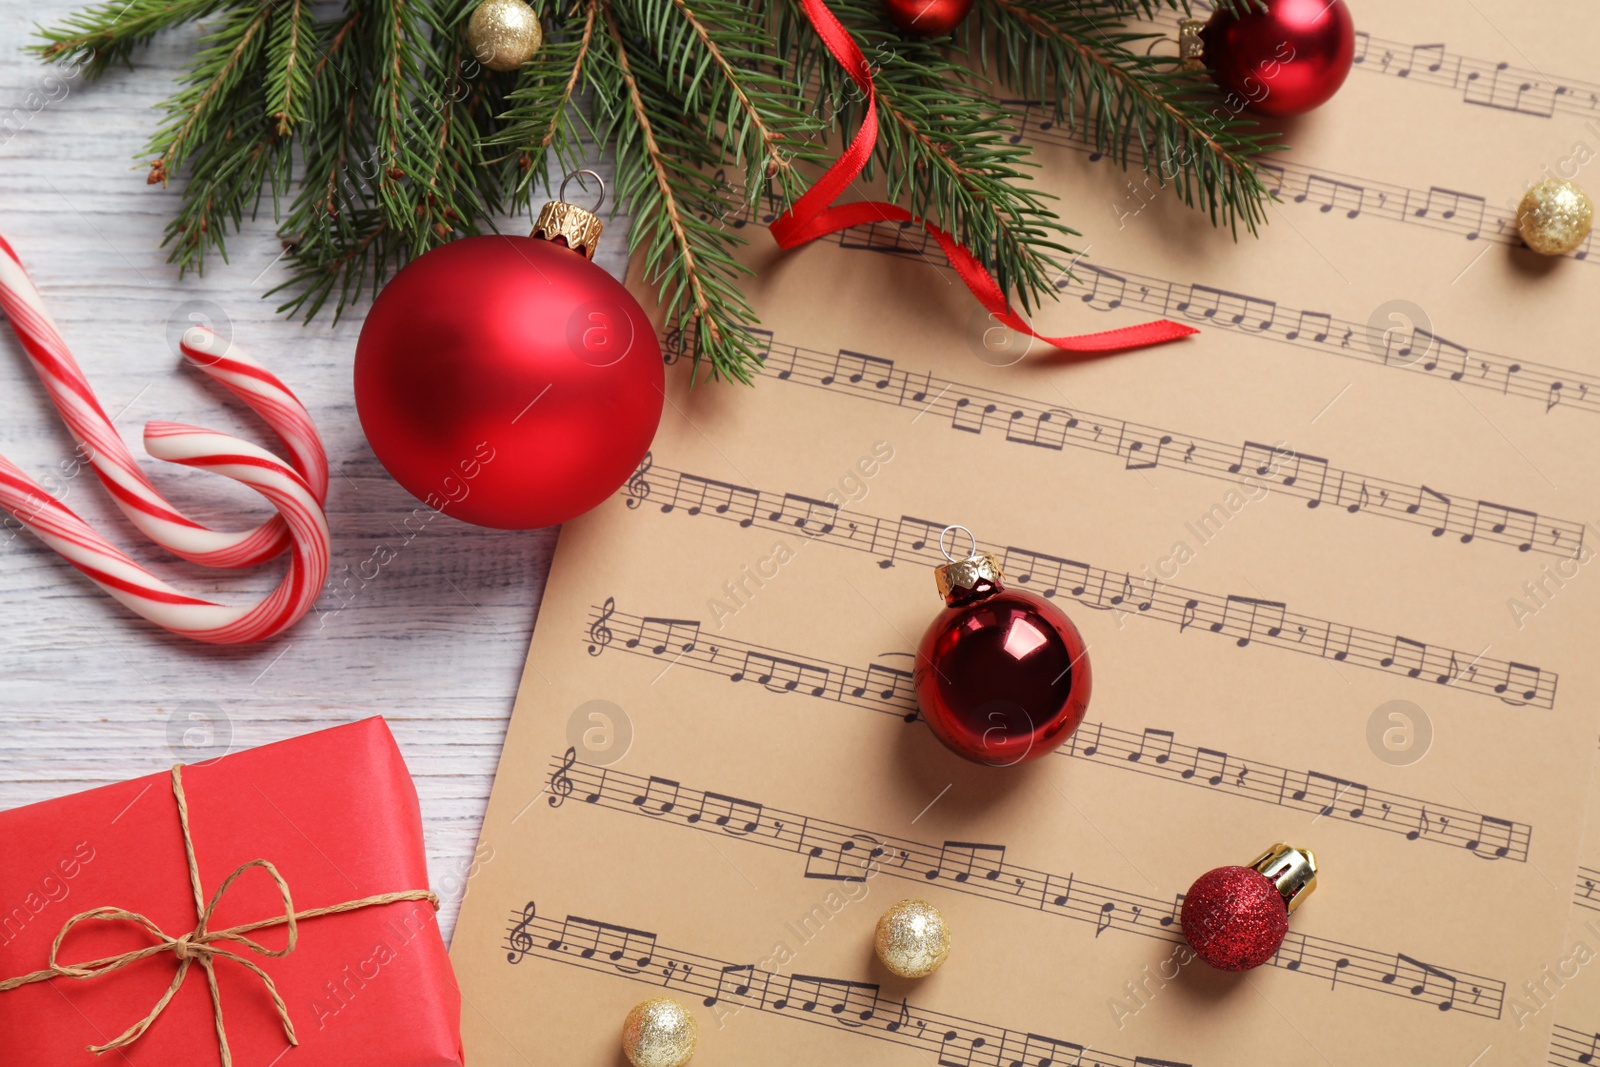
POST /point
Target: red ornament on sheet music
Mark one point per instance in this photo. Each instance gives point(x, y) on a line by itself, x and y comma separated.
point(1236, 917)
point(1284, 60)
point(1002, 675)
point(928, 18)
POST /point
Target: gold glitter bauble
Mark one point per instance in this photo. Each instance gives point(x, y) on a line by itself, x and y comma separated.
point(913, 939)
point(659, 1032)
point(504, 34)
point(1554, 217)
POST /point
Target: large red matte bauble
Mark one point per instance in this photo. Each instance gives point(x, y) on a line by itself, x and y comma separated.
point(928, 18)
point(1002, 678)
point(1285, 60)
point(508, 381)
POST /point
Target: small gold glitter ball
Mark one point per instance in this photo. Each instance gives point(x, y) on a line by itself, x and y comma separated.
point(1554, 217)
point(913, 939)
point(504, 34)
point(659, 1032)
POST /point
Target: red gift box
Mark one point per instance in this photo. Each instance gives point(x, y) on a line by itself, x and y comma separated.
point(335, 814)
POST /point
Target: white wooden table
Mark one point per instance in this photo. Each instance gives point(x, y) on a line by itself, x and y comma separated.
point(91, 694)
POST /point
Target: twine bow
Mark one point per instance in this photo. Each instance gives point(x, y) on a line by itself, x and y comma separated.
point(200, 945)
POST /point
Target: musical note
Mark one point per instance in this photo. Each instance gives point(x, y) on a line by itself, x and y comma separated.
point(1248, 313)
point(845, 1000)
point(1158, 742)
point(1040, 1051)
point(1314, 325)
point(1255, 625)
point(814, 517)
point(1148, 459)
point(659, 635)
point(599, 633)
point(628, 949)
point(1448, 204)
point(520, 939)
point(695, 494)
point(1108, 289)
point(731, 814)
point(1102, 921)
point(1046, 429)
point(782, 675)
point(962, 860)
point(852, 859)
point(1327, 791)
point(660, 797)
point(962, 419)
point(1429, 498)
point(1483, 844)
point(1499, 519)
point(1428, 974)
point(1215, 761)
point(1527, 685)
point(1328, 193)
point(951, 1053)
point(856, 367)
point(886, 683)
point(560, 783)
point(734, 980)
point(1407, 655)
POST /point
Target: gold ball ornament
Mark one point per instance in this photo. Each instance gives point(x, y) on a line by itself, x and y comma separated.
point(659, 1032)
point(504, 34)
point(912, 939)
point(1554, 217)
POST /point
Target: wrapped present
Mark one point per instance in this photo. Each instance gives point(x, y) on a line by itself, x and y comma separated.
point(269, 907)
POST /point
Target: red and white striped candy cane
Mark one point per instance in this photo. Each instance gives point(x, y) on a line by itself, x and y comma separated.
point(102, 447)
point(296, 489)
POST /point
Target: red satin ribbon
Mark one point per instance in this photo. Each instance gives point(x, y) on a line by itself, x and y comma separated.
point(815, 214)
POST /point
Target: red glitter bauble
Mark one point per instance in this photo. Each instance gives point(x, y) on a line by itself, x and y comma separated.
point(1002, 676)
point(1286, 59)
point(928, 18)
point(1234, 918)
point(508, 381)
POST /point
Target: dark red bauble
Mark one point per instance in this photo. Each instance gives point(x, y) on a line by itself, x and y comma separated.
point(928, 18)
point(508, 381)
point(1234, 918)
point(1002, 676)
point(1285, 60)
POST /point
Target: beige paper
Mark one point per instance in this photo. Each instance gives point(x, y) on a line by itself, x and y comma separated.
point(1331, 558)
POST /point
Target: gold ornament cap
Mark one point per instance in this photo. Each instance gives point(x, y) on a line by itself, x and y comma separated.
point(1554, 217)
point(578, 228)
point(1191, 45)
point(977, 575)
point(1293, 871)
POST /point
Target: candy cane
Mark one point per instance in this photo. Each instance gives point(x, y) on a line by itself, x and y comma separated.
point(102, 446)
point(297, 491)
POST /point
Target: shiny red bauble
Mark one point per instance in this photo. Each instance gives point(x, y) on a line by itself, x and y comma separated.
point(928, 18)
point(508, 381)
point(1284, 60)
point(1001, 676)
point(1234, 918)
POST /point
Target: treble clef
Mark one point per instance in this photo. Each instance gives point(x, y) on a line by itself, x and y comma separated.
point(560, 784)
point(638, 488)
point(599, 633)
point(520, 940)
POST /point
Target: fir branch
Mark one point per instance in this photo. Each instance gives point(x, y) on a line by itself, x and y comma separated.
point(1170, 122)
point(291, 54)
point(538, 119)
point(712, 54)
point(662, 167)
point(211, 88)
point(110, 32)
point(943, 147)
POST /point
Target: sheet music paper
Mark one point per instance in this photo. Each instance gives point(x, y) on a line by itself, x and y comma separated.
point(1332, 559)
